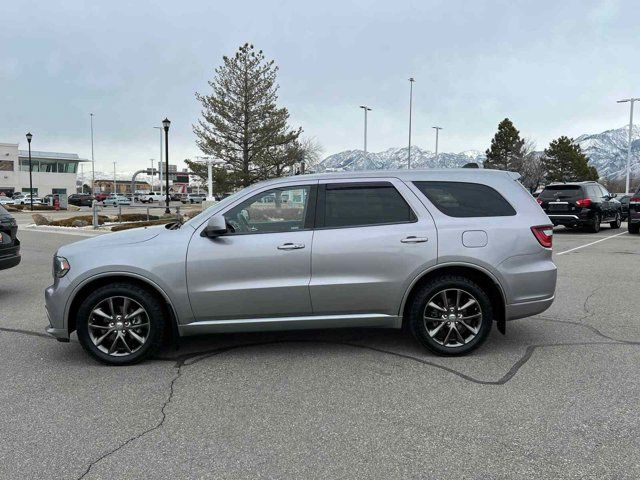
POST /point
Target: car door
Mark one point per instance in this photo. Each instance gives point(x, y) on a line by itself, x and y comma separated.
point(372, 238)
point(262, 267)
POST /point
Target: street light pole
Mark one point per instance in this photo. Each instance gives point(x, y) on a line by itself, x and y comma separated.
point(29, 137)
point(160, 163)
point(630, 101)
point(366, 109)
point(114, 178)
point(437, 129)
point(93, 163)
point(165, 125)
point(411, 80)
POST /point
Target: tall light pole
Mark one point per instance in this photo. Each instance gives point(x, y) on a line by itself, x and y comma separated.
point(631, 101)
point(411, 80)
point(437, 129)
point(165, 125)
point(29, 137)
point(115, 188)
point(366, 109)
point(160, 163)
point(93, 163)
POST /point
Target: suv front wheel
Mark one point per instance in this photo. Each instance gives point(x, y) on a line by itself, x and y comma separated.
point(121, 324)
point(617, 221)
point(451, 315)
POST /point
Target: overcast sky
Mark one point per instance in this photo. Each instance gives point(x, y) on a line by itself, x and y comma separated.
point(553, 67)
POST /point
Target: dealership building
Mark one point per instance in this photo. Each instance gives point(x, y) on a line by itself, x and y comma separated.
point(51, 172)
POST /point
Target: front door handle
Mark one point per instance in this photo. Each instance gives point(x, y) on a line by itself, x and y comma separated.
point(414, 239)
point(291, 246)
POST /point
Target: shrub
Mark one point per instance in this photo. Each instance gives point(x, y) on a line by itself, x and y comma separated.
point(127, 226)
point(68, 222)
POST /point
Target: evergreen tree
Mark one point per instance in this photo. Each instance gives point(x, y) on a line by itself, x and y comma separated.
point(507, 148)
point(241, 123)
point(564, 161)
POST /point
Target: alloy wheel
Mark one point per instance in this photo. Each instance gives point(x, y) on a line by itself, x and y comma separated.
point(119, 326)
point(452, 317)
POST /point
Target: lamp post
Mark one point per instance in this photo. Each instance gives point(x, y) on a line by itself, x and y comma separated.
point(93, 163)
point(160, 163)
point(437, 129)
point(29, 137)
point(411, 80)
point(630, 101)
point(366, 109)
point(165, 124)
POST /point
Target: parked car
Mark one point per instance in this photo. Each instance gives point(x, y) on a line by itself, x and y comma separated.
point(115, 200)
point(176, 197)
point(581, 205)
point(194, 198)
point(444, 252)
point(26, 200)
point(17, 195)
point(624, 203)
point(151, 197)
point(81, 199)
point(4, 200)
point(100, 197)
point(9, 243)
point(633, 218)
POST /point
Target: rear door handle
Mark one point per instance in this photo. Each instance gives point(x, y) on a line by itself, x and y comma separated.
point(414, 239)
point(291, 246)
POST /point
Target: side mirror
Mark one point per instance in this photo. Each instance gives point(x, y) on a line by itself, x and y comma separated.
point(216, 227)
point(613, 195)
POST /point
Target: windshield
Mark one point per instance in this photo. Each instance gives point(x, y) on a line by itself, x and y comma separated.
point(198, 219)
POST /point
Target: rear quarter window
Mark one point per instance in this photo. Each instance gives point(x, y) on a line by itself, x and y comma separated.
point(464, 200)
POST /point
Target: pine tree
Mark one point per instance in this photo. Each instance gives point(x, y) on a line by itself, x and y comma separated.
point(241, 123)
point(564, 161)
point(507, 148)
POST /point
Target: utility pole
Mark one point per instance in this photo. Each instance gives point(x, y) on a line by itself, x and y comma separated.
point(411, 80)
point(93, 162)
point(114, 178)
point(366, 109)
point(631, 102)
point(437, 129)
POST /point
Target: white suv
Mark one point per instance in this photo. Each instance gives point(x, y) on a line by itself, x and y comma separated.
point(151, 197)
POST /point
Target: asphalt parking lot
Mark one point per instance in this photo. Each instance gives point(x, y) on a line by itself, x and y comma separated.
point(557, 397)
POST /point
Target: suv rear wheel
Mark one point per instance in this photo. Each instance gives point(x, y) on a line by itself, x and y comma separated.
point(451, 315)
point(594, 226)
point(121, 324)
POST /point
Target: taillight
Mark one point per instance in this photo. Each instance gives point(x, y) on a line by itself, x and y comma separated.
point(583, 202)
point(634, 201)
point(544, 235)
point(540, 202)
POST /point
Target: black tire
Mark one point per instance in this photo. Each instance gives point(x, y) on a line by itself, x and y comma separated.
point(148, 299)
point(594, 226)
point(633, 227)
point(419, 305)
point(617, 221)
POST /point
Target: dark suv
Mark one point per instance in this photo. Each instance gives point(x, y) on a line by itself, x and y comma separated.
point(81, 199)
point(581, 204)
point(634, 213)
point(9, 243)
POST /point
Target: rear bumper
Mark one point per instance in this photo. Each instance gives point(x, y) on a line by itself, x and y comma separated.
point(9, 261)
point(566, 219)
point(527, 309)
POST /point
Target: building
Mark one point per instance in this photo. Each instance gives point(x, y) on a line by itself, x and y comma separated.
point(51, 172)
point(122, 186)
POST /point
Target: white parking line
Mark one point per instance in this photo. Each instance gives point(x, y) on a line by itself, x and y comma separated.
point(592, 243)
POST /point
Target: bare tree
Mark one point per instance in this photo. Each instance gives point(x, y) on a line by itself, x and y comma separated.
point(530, 166)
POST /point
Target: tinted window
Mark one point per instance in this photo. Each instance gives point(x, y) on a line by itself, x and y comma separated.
point(356, 205)
point(561, 191)
point(277, 210)
point(458, 199)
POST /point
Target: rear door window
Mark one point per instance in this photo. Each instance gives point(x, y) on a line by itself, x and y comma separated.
point(361, 204)
point(465, 200)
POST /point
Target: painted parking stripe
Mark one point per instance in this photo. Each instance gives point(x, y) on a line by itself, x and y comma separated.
point(592, 243)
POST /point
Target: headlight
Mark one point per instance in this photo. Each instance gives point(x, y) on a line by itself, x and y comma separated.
point(60, 266)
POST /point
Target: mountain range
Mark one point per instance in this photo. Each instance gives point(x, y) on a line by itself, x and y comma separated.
point(607, 151)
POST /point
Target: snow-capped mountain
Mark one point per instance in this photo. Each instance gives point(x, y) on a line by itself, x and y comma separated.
point(607, 151)
point(396, 158)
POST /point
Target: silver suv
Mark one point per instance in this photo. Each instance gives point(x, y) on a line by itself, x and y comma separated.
point(443, 252)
